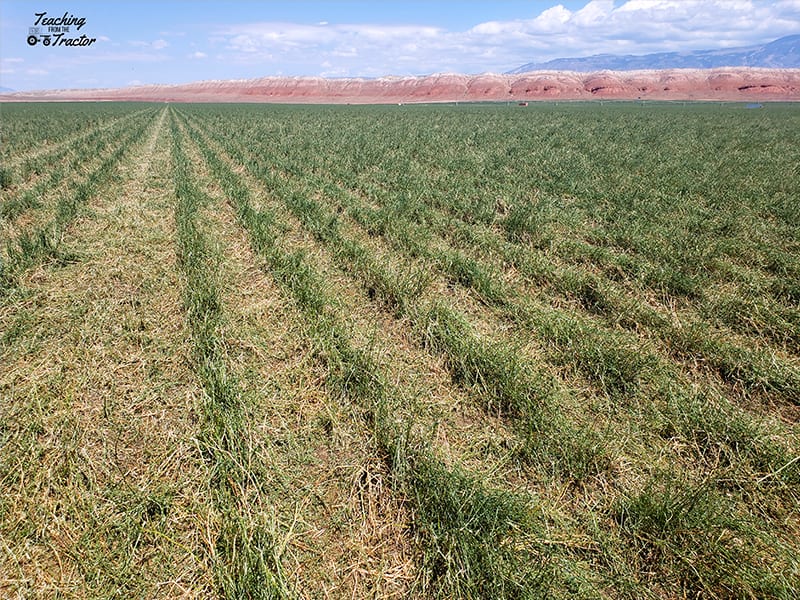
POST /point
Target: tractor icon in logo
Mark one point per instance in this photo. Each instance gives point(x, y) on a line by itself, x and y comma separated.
point(35, 36)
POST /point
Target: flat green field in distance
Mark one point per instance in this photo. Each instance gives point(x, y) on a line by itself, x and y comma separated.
point(427, 351)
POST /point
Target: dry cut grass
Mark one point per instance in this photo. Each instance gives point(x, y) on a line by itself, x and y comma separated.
point(104, 487)
point(293, 352)
point(343, 530)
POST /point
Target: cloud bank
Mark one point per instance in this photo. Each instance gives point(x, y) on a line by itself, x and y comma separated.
point(601, 26)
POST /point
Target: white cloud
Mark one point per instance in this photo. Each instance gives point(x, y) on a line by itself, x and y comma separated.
point(638, 27)
point(384, 33)
point(599, 26)
point(348, 52)
point(155, 45)
point(552, 18)
point(198, 55)
point(8, 65)
point(493, 28)
point(594, 13)
point(252, 37)
point(275, 37)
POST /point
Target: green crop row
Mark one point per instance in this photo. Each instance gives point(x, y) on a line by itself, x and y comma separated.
point(583, 377)
point(473, 538)
point(660, 528)
point(619, 366)
point(59, 166)
point(44, 242)
point(247, 562)
point(408, 194)
point(30, 128)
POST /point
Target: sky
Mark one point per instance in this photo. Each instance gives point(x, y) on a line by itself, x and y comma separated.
point(177, 41)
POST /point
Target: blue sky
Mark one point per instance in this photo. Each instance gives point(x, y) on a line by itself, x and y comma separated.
point(168, 41)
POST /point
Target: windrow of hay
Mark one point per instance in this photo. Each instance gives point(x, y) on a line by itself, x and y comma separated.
point(473, 539)
point(103, 484)
point(40, 239)
point(343, 528)
point(659, 423)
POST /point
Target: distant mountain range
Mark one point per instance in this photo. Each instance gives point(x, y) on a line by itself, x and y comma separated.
point(737, 84)
point(783, 53)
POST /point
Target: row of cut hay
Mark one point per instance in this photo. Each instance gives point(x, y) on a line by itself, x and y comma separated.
point(246, 559)
point(25, 188)
point(608, 357)
point(43, 242)
point(401, 175)
point(475, 541)
point(731, 435)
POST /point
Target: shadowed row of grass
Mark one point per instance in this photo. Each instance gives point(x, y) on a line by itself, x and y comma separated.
point(476, 542)
point(246, 557)
point(502, 382)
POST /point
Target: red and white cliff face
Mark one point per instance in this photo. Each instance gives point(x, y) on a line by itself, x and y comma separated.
point(676, 84)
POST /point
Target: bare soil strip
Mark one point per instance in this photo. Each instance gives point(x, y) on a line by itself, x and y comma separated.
point(104, 486)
